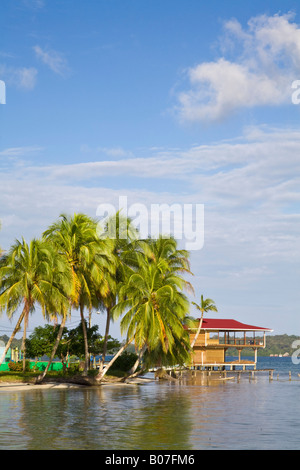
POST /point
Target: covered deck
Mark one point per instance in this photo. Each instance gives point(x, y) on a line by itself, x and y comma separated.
point(217, 336)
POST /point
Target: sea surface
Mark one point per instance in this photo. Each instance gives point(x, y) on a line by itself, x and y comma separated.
point(247, 413)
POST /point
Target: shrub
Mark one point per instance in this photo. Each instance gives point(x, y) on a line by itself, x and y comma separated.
point(18, 366)
point(73, 368)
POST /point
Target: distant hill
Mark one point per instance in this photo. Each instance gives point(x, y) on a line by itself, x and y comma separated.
point(16, 343)
point(277, 344)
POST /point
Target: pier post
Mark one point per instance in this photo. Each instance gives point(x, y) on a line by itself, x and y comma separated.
point(270, 375)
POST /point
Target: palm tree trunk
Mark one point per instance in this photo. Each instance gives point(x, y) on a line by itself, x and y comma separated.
point(108, 309)
point(198, 331)
point(135, 374)
point(86, 346)
point(137, 362)
point(102, 373)
point(23, 347)
point(13, 334)
point(60, 332)
point(132, 372)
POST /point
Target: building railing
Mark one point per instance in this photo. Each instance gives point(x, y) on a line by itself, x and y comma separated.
point(240, 342)
point(231, 340)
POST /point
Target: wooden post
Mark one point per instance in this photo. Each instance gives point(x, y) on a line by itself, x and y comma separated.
point(239, 352)
point(270, 375)
point(255, 355)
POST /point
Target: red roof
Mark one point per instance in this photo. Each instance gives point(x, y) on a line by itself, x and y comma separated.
point(231, 325)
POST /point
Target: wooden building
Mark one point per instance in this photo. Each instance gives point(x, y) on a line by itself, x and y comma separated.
point(218, 336)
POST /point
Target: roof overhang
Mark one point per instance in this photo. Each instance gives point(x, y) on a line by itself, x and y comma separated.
point(219, 324)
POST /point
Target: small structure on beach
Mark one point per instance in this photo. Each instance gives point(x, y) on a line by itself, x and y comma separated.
point(217, 336)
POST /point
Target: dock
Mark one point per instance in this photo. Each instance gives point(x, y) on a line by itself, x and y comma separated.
point(236, 369)
point(229, 365)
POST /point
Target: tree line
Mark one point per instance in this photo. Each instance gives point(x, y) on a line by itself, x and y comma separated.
point(74, 266)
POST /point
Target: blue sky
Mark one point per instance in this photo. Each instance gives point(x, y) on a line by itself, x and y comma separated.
point(162, 102)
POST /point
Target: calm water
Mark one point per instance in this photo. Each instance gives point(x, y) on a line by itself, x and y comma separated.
point(252, 413)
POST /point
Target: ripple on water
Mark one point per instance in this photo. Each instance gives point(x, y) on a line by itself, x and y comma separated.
point(251, 414)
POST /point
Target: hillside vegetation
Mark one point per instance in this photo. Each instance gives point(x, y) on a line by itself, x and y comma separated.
point(277, 344)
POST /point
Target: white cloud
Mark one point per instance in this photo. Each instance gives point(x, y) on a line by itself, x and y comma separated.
point(27, 77)
point(112, 152)
point(250, 189)
point(22, 77)
point(53, 59)
point(19, 151)
point(267, 61)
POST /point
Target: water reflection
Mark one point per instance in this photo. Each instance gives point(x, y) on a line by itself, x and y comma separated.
point(195, 413)
point(117, 417)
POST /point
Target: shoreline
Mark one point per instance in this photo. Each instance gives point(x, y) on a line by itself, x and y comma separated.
point(55, 385)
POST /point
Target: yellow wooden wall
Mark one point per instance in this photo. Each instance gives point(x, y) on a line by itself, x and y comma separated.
point(208, 356)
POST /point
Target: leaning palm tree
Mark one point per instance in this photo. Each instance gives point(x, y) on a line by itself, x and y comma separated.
point(164, 251)
point(206, 305)
point(59, 303)
point(123, 235)
point(153, 307)
point(90, 260)
point(24, 282)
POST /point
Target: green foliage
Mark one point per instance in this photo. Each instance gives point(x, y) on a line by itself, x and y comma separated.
point(95, 341)
point(151, 298)
point(42, 340)
point(72, 266)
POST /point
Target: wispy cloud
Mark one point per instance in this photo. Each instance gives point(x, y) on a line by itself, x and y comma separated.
point(111, 152)
point(19, 151)
point(21, 77)
point(267, 60)
point(249, 187)
point(258, 170)
point(34, 4)
point(259, 162)
point(53, 59)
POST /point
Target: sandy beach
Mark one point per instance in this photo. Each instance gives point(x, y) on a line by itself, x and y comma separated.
point(18, 386)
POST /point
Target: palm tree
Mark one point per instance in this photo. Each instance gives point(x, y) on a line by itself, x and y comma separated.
point(157, 307)
point(123, 235)
point(206, 305)
point(154, 306)
point(25, 279)
point(59, 303)
point(164, 250)
point(90, 260)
